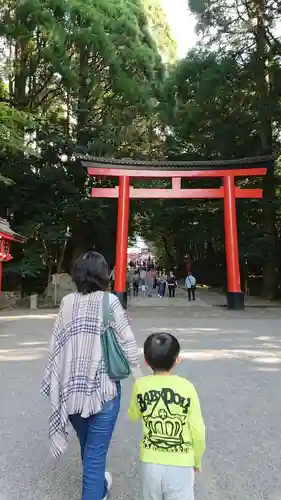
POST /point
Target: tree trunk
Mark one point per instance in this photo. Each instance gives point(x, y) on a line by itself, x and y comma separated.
point(20, 69)
point(167, 250)
point(264, 106)
point(83, 96)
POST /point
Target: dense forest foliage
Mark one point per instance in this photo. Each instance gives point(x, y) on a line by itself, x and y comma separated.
point(102, 77)
point(224, 101)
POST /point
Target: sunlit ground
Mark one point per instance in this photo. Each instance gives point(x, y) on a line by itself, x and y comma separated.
point(235, 365)
point(265, 351)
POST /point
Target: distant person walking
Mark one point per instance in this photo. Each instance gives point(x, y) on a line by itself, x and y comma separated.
point(172, 284)
point(130, 274)
point(162, 284)
point(150, 279)
point(190, 284)
point(136, 283)
point(142, 276)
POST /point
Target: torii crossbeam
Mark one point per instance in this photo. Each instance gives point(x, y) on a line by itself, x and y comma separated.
point(227, 171)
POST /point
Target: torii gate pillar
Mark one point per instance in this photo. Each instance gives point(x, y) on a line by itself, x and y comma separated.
point(235, 298)
point(122, 239)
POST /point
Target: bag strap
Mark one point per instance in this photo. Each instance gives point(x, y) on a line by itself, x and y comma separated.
point(106, 313)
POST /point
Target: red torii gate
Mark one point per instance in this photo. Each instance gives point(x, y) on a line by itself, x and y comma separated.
point(128, 169)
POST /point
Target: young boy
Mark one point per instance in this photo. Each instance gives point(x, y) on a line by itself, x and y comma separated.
point(173, 439)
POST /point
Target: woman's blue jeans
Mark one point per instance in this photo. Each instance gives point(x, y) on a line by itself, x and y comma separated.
point(162, 289)
point(94, 434)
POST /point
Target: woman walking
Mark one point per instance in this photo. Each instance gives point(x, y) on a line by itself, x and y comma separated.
point(76, 379)
point(150, 278)
point(172, 284)
point(162, 284)
point(136, 283)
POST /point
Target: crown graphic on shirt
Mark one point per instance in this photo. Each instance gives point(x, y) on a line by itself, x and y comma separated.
point(165, 427)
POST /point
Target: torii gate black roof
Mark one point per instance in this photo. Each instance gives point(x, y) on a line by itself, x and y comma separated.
point(128, 163)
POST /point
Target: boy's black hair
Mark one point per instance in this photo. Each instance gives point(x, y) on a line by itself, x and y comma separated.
point(161, 351)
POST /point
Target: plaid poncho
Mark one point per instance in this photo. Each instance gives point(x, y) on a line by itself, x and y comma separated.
point(75, 377)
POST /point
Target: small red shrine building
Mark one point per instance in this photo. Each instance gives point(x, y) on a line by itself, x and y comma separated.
point(7, 235)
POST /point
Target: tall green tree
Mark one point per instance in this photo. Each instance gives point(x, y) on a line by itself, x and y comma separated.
point(210, 111)
point(161, 32)
point(91, 75)
point(248, 30)
point(12, 121)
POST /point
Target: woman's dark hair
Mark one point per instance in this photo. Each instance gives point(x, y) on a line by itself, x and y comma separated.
point(90, 273)
point(161, 351)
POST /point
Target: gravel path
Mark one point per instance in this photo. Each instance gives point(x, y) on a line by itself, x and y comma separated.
point(235, 364)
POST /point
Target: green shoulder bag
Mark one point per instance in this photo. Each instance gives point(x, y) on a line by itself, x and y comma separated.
point(116, 364)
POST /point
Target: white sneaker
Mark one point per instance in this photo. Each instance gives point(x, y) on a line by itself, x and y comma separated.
point(108, 478)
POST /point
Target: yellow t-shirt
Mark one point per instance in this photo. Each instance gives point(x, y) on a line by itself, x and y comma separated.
point(173, 430)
